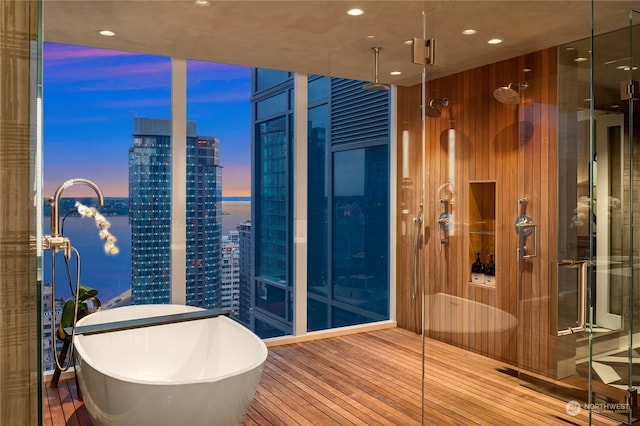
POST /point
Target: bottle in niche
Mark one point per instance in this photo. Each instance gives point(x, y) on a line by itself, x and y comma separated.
point(490, 272)
point(477, 271)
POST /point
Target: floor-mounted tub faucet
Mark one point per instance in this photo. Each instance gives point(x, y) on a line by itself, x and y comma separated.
point(55, 241)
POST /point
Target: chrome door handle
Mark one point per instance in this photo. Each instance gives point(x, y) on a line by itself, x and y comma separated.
point(581, 320)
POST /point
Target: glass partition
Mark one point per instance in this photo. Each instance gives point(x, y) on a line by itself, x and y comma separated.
point(596, 260)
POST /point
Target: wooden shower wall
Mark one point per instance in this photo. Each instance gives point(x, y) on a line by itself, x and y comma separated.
point(514, 148)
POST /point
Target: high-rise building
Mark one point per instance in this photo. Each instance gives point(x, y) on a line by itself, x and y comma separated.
point(204, 221)
point(244, 278)
point(150, 214)
point(347, 202)
point(230, 284)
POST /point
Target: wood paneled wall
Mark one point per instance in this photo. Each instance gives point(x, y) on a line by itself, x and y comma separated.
point(513, 147)
point(18, 287)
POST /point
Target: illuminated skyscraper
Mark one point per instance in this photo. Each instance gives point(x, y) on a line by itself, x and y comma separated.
point(231, 272)
point(150, 215)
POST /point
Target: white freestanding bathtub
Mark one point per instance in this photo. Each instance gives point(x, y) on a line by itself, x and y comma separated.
point(201, 372)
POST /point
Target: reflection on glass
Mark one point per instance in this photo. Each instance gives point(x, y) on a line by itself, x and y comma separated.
point(271, 223)
point(359, 240)
point(273, 105)
point(317, 200)
point(266, 78)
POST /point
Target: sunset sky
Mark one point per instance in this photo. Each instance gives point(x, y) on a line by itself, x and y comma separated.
point(90, 99)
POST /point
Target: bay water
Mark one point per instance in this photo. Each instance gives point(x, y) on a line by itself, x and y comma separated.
point(111, 275)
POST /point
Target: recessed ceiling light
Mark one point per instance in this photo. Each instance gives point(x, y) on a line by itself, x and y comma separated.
point(355, 12)
point(469, 31)
point(408, 42)
point(526, 70)
point(580, 59)
point(614, 106)
point(395, 72)
point(106, 33)
point(495, 41)
point(371, 36)
point(201, 2)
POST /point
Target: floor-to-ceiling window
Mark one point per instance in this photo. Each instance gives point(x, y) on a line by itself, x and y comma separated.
point(273, 287)
point(347, 203)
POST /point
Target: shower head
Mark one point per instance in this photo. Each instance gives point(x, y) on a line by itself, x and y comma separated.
point(509, 96)
point(434, 112)
point(376, 85)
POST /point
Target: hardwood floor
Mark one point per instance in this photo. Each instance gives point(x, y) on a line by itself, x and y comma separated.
point(374, 379)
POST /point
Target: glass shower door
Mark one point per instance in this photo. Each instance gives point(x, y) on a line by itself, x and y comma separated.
point(613, 301)
point(595, 271)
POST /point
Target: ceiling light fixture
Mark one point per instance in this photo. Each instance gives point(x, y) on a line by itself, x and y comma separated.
point(408, 42)
point(201, 2)
point(355, 12)
point(106, 33)
point(469, 31)
point(580, 59)
point(395, 72)
point(526, 70)
point(495, 41)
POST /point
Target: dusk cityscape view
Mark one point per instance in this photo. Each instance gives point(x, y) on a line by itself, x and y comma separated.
point(90, 123)
point(92, 95)
point(115, 123)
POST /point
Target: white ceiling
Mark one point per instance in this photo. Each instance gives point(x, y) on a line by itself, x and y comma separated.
point(318, 37)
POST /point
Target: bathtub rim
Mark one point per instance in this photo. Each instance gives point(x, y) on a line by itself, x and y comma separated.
point(260, 357)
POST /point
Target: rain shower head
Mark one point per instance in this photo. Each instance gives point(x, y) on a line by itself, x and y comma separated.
point(509, 96)
point(434, 112)
point(376, 85)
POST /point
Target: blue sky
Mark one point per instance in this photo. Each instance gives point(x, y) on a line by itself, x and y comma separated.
point(91, 96)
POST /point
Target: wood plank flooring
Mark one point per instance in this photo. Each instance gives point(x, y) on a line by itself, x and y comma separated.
point(374, 379)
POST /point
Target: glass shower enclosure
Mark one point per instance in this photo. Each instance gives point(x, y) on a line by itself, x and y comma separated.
point(595, 275)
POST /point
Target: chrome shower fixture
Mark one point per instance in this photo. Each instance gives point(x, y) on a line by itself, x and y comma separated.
point(431, 109)
point(55, 241)
point(376, 85)
point(509, 96)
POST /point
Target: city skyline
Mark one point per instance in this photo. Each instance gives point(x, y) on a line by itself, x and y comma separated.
point(92, 95)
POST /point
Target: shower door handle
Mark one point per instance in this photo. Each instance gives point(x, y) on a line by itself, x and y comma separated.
point(581, 320)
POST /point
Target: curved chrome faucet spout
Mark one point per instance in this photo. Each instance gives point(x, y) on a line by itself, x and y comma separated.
point(55, 200)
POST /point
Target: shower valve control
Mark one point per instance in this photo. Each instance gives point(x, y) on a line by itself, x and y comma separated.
point(525, 227)
point(56, 244)
point(443, 221)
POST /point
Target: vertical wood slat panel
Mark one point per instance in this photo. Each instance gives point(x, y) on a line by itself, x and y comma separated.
point(515, 147)
point(18, 286)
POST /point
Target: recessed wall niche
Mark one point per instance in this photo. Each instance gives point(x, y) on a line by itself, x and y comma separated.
point(482, 226)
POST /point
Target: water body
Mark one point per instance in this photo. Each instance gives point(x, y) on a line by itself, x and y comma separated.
point(235, 212)
point(111, 275)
